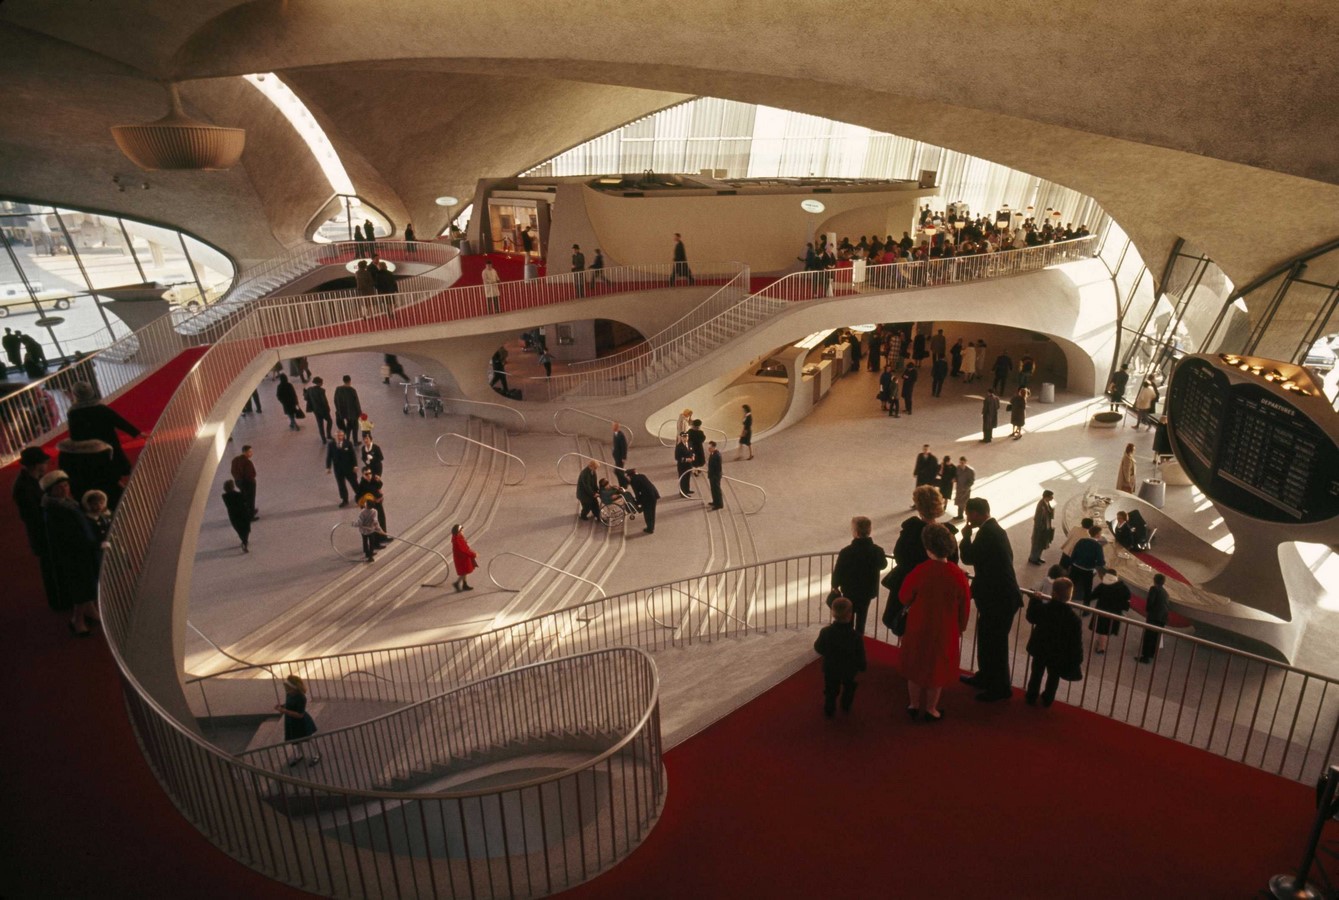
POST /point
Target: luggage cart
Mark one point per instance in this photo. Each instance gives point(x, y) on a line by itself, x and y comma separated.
point(427, 396)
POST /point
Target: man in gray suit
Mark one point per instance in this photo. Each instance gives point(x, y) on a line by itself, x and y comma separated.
point(962, 491)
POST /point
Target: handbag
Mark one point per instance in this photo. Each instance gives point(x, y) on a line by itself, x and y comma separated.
point(299, 414)
point(1074, 674)
point(895, 616)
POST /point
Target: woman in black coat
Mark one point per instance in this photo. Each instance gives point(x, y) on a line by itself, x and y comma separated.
point(74, 551)
point(948, 477)
point(1111, 596)
point(239, 512)
point(1056, 644)
point(287, 396)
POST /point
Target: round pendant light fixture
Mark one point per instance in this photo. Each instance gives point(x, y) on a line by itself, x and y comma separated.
point(177, 141)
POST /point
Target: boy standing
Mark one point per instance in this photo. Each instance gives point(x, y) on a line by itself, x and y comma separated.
point(843, 653)
point(1056, 645)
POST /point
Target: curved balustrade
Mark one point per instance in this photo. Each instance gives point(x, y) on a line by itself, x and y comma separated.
point(758, 487)
point(706, 429)
point(446, 563)
point(551, 568)
point(378, 816)
point(1244, 707)
point(558, 466)
point(735, 310)
point(581, 412)
point(436, 449)
point(1277, 717)
point(525, 425)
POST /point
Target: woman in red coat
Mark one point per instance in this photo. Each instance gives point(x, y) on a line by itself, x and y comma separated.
point(463, 557)
point(936, 594)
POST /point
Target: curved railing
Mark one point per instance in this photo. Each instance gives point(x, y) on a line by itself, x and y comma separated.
point(378, 816)
point(660, 434)
point(1244, 707)
point(558, 465)
point(525, 425)
point(1255, 710)
point(538, 562)
point(446, 563)
point(436, 449)
point(734, 310)
point(757, 487)
point(558, 414)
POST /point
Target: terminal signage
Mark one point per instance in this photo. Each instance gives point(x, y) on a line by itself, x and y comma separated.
point(1250, 447)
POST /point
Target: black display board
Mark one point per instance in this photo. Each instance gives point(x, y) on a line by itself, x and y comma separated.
point(1250, 447)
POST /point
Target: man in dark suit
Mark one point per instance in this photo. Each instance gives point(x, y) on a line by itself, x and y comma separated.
point(347, 407)
point(909, 386)
point(990, 415)
point(1157, 611)
point(318, 404)
point(646, 495)
point(986, 548)
point(341, 458)
point(578, 266)
point(243, 472)
point(714, 475)
point(619, 451)
point(855, 575)
point(588, 487)
point(681, 269)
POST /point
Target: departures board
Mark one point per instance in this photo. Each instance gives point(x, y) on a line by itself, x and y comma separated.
point(1250, 447)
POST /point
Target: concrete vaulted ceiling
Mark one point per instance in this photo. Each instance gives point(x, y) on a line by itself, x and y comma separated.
point(1213, 124)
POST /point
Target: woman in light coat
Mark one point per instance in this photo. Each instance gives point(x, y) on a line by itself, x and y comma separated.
point(1125, 475)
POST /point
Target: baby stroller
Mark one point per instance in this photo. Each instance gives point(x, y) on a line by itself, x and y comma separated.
point(426, 395)
point(622, 508)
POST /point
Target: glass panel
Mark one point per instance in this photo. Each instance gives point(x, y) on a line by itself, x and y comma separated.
point(159, 253)
point(212, 268)
point(1233, 331)
point(102, 248)
point(1321, 360)
point(44, 255)
point(1301, 306)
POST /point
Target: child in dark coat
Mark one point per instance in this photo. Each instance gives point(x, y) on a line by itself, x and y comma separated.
point(843, 652)
point(1056, 645)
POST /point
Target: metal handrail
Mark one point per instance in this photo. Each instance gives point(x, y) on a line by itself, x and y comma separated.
point(652, 616)
point(436, 449)
point(660, 435)
point(558, 466)
point(538, 563)
point(762, 489)
point(651, 707)
point(573, 409)
point(525, 425)
point(633, 374)
point(344, 556)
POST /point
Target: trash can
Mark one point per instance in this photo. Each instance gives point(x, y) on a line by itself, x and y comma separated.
point(1153, 491)
point(1047, 394)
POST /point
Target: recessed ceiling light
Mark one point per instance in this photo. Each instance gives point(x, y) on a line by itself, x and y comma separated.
point(447, 201)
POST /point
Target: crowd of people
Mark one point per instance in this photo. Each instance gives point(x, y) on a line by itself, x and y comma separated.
point(930, 598)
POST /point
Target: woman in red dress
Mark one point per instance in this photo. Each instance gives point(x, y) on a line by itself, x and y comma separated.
point(936, 594)
point(464, 558)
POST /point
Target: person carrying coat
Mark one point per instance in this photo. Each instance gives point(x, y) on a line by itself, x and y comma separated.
point(91, 420)
point(1056, 644)
point(588, 486)
point(464, 559)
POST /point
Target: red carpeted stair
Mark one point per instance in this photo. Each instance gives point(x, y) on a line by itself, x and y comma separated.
point(997, 800)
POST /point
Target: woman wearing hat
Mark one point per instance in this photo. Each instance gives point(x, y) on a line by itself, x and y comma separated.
point(298, 723)
point(465, 559)
point(73, 549)
point(28, 496)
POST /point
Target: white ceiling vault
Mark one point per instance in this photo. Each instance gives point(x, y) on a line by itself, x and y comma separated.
point(1215, 126)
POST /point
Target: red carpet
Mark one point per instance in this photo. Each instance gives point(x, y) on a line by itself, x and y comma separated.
point(83, 816)
point(998, 800)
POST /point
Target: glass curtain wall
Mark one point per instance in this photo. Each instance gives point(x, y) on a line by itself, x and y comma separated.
point(54, 261)
point(353, 213)
point(743, 140)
